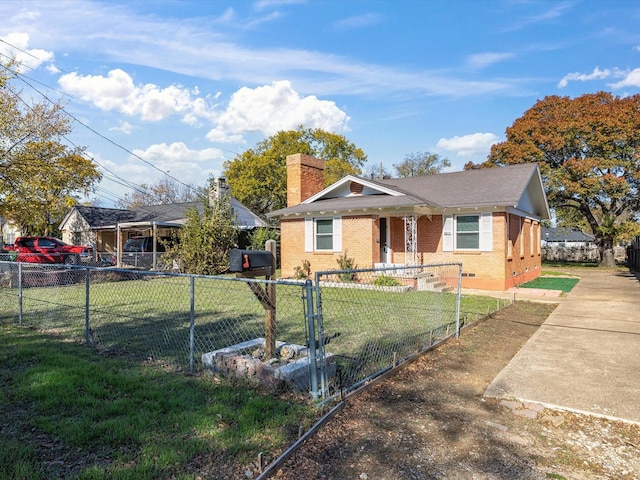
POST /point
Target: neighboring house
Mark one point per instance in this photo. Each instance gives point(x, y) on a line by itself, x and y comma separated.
point(107, 229)
point(486, 219)
point(9, 231)
point(562, 244)
point(566, 237)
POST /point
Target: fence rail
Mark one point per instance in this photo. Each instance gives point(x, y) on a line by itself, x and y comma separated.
point(345, 328)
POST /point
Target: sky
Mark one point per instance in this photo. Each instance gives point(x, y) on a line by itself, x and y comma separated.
point(177, 87)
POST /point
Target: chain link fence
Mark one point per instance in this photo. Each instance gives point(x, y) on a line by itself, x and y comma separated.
point(330, 337)
point(371, 320)
point(162, 318)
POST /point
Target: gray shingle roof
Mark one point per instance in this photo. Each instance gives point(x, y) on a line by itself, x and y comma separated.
point(565, 234)
point(488, 187)
point(98, 217)
point(501, 186)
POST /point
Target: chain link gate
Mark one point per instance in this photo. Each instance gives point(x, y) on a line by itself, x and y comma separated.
point(368, 321)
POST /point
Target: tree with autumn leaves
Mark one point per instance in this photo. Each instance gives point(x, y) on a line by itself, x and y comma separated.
point(40, 175)
point(588, 150)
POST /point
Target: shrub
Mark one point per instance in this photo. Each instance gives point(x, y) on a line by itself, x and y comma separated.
point(347, 263)
point(202, 246)
point(258, 238)
point(386, 281)
point(302, 272)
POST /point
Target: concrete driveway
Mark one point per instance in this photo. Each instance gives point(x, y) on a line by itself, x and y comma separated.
point(586, 356)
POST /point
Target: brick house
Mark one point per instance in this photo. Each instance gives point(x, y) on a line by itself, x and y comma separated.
point(486, 219)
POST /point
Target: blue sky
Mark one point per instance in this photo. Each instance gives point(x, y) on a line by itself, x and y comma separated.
point(186, 85)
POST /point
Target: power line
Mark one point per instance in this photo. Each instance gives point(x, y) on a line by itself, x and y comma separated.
point(24, 78)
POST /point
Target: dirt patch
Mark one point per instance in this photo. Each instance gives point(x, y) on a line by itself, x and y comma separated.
point(431, 421)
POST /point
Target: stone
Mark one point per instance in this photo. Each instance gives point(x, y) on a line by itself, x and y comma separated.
point(511, 404)
point(526, 413)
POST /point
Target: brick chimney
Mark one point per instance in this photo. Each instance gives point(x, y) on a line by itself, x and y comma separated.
point(305, 177)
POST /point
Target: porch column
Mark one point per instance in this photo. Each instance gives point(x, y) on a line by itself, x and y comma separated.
point(411, 239)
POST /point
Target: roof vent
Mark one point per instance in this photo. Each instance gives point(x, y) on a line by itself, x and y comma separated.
point(356, 188)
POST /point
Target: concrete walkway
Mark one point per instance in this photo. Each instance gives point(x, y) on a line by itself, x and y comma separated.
point(586, 356)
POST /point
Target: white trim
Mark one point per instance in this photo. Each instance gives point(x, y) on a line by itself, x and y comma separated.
point(352, 178)
point(337, 234)
point(309, 226)
point(447, 233)
point(486, 232)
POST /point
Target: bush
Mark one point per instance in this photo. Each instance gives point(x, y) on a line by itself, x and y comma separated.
point(260, 235)
point(202, 246)
point(303, 271)
point(386, 281)
point(347, 263)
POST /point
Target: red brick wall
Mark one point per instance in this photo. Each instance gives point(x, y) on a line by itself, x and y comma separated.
point(482, 270)
point(305, 177)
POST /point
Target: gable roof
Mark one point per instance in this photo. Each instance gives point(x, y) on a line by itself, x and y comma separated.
point(565, 234)
point(515, 186)
point(172, 213)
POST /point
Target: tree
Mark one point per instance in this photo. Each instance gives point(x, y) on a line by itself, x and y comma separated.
point(40, 177)
point(421, 163)
point(588, 149)
point(162, 192)
point(202, 245)
point(377, 172)
point(258, 176)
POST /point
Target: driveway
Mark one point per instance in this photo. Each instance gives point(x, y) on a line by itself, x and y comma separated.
point(585, 357)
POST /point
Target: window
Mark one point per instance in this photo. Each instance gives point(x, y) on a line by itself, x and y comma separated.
point(468, 232)
point(324, 234)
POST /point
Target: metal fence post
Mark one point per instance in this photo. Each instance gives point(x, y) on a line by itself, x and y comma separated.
point(313, 360)
point(87, 327)
point(192, 323)
point(458, 300)
point(19, 293)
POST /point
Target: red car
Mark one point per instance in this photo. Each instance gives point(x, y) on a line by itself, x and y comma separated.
point(48, 250)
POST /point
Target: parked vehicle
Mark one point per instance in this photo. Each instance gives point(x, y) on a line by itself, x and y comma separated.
point(47, 250)
point(138, 251)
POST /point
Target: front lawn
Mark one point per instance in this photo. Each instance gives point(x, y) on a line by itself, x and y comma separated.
point(69, 412)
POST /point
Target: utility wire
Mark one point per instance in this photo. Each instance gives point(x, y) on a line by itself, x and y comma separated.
point(24, 78)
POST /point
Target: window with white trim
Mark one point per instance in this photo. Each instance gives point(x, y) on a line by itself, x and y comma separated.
point(324, 234)
point(467, 232)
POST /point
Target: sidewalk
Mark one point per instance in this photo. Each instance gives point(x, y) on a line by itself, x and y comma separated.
point(586, 356)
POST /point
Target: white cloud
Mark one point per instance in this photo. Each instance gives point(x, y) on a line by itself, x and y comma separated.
point(482, 60)
point(178, 159)
point(124, 127)
point(597, 74)
point(469, 145)
point(360, 21)
point(112, 33)
point(262, 4)
point(631, 79)
point(16, 45)
point(271, 108)
point(117, 92)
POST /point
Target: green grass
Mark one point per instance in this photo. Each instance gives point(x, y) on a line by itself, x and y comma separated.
point(127, 420)
point(552, 283)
